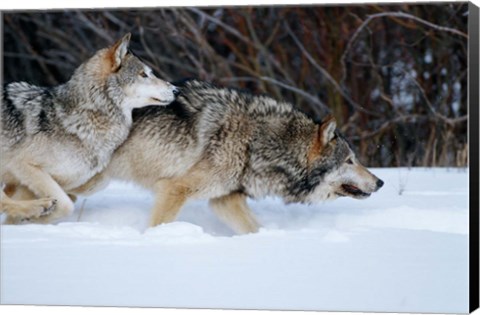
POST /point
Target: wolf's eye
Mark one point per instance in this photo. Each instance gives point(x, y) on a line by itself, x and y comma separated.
point(143, 74)
point(349, 161)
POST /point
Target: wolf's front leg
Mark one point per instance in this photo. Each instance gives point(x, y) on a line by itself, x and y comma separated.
point(233, 210)
point(170, 195)
point(41, 183)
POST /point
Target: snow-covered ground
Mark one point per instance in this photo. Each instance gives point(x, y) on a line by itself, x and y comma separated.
point(397, 252)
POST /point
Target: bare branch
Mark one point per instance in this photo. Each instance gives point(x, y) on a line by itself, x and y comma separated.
point(321, 109)
point(308, 96)
point(327, 75)
point(401, 15)
point(431, 108)
point(99, 31)
point(243, 38)
point(220, 23)
point(406, 118)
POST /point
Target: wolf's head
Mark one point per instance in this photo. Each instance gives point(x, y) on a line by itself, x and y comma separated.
point(120, 76)
point(331, 157)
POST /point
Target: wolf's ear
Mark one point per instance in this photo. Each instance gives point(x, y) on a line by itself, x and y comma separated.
point(119, 50)
point(325, 133)
point(327, 128)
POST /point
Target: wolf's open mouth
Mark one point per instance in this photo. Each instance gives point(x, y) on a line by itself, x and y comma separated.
point(354, 190)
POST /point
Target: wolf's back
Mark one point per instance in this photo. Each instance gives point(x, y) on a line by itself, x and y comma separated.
point(22, 94)
point(194, 94)
point(12, 111)
point(25, 109)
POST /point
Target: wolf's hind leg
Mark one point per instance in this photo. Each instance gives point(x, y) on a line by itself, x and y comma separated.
point(42, 184)
point(94, 184)
point(21, 209)
point(170, 197)
point(21, 193)
point(233, 210)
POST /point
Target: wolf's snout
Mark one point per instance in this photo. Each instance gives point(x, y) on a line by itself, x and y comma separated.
point(379, 183)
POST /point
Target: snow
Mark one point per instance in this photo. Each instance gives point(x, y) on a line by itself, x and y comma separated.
point(392, 252)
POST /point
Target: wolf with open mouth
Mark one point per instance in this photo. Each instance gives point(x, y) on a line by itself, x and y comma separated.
point(225, 145)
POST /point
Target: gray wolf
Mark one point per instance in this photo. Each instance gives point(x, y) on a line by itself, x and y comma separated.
point(225, 145)
point(55, 139)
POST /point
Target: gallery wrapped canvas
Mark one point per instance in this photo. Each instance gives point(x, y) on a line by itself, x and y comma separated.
point(296, 157)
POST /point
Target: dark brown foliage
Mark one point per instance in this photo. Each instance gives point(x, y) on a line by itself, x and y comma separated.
point(394, 76)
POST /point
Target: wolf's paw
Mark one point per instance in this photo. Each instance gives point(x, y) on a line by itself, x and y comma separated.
point(25, 211)
point(43, 207)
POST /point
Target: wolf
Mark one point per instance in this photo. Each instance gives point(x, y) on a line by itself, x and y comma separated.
point(226, 145)
point(55, 139)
